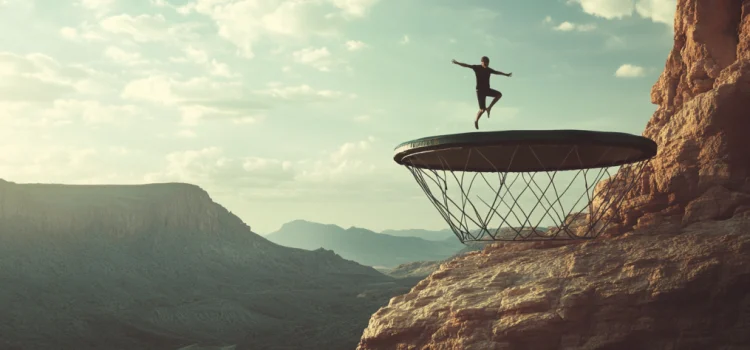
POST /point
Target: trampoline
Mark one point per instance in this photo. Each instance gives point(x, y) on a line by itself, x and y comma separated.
point(505, 185)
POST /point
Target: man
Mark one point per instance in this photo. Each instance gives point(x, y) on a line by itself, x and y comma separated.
point(482, 73)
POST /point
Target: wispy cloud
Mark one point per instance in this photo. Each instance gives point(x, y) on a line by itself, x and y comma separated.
point(630, 71)
point(661, 11)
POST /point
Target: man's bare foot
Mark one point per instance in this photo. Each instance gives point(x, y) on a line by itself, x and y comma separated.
point(476, 124)
point(488, 112)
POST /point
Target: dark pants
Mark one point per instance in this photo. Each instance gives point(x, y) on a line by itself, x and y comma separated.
point(482, 94)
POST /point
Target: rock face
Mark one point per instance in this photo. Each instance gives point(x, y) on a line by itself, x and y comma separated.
point(702, 121)
point(688, 291)
point(673, 273)
point(162, 266)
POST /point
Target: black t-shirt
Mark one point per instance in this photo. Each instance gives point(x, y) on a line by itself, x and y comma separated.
point(483, 76)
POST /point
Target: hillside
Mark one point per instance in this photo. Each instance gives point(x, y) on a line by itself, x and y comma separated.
point(362, 245)
point(162, 266)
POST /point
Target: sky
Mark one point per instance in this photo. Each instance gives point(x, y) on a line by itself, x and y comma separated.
point(291, 109)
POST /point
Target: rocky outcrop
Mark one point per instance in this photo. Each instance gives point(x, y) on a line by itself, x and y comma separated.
point(637, 291)
point(702, 121)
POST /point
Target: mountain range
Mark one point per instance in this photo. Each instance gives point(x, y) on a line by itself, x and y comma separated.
point(365, 246)
point(162, 266)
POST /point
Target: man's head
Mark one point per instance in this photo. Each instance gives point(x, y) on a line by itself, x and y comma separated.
point(485, 61)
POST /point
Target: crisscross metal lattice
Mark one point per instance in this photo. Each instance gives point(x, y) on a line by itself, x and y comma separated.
point(522, 206)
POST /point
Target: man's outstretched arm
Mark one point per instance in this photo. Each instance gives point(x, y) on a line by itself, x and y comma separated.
point(461, 64)
point(501, 73)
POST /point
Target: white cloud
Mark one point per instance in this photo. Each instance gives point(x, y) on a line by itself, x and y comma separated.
point(354, 8)
point(244, 22)
point(146, 28)
point(350, 162)
point(354, 45)
point(661, 11)
point(37, 77)
point(340, 170)
point(128, 58)
point(405, 40)
point(629, 71)
point(98, 7)
point(211, 168)
point(85, 32)
point(362, 118)
point(317, 58)
point(68, 33)
point(565, 26)
point(64, 112)
point(302, 92)
point(205, 99)
point(569, 26)
point(92, 112)
point(34, 162)
point(201, 57)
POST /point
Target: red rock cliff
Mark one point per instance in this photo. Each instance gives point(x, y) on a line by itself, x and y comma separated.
point(702, 124)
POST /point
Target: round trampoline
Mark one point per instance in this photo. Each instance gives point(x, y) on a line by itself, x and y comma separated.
point(522, 185)
point(525, 151)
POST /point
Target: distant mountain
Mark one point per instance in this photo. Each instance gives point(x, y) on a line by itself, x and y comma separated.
point(362, 245)
point(162, 266)
point(429, 235)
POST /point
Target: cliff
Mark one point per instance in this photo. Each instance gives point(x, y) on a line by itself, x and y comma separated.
point(674, 272)
point(701, 123)
point(162, 266)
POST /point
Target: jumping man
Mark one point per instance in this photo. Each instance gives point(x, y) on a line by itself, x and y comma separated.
point(482, 72)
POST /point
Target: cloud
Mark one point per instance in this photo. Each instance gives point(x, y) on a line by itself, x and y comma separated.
point(34, 162)
point(85, 32)
point(200, 99)
point(63, 112)
point(660, 11)
point(37, 77)
point(319, 58)
point(405, 40)
point(244, 22)
point(355, 45)
point(147, 28)
point(210, 167)
point(354, 8)
point(202, 58)
point(98, 7)
point(302, 92)
point(128, 58)
point(569, 26)
point(345, 165)
point(629, 71)
point(362, 118)
point(92, 112)
point(339, 171)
